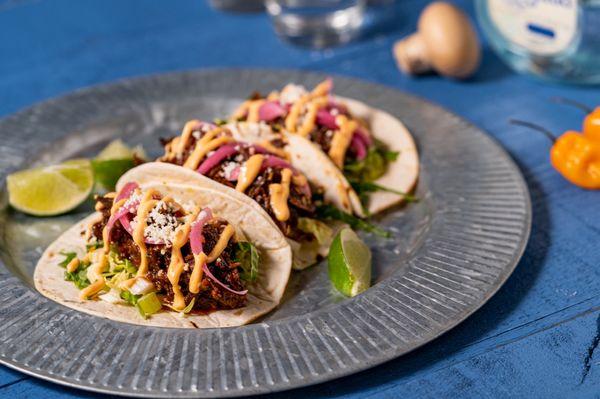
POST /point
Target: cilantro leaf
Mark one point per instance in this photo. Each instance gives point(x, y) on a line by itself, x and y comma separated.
point(368, 187)
point(69, 256)
point(78, 277)
point(129, 297)
point(390, 155)
point(333, 213)
point(248, 257)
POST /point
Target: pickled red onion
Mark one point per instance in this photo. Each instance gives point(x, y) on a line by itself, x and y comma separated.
point(364, 136)
point(215, 159)
point(113, 219)
point(270, 110)
point(213, 278)
point(196, 238)
point(126, 191)
point(358, 146)
point(325, 118)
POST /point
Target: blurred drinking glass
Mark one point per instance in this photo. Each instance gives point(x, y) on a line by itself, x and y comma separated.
point(317, 23)
point(238, 5)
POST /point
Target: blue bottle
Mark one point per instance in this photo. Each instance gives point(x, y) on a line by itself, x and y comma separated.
point(553, 39)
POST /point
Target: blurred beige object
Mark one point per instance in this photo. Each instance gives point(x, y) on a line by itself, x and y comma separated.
point(445, 42)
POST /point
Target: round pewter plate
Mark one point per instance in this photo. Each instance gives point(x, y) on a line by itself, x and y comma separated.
point(450, 252)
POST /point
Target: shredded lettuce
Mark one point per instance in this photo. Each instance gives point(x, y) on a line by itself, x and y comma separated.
point(248, 257)
point(114, 281)
point(189, 306)
point(332, 213)
point(116, 264)
point(320, 230)
point(219, 121)
point(94, 245)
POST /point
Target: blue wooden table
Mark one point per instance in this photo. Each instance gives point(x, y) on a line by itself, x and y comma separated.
point(535, 338)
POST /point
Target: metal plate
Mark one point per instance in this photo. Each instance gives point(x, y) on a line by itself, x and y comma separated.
point(450, 253)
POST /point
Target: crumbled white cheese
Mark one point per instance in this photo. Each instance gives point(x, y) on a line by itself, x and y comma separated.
point(161, 226)
point(134, 199)
point(196, 134)
point(228, 169)
point(329, 133)
point(291, 93)
point(335, 111)
point(206, 127)
point(134, 223)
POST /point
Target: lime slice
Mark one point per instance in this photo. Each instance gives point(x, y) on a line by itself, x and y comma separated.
point(349, 263)
point(51, 190)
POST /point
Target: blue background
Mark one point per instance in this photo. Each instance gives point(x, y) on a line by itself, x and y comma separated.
point(535, 337)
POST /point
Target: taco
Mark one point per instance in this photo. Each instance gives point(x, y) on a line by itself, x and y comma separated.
point(373, 150)
point(261, 172)
point(168, 255)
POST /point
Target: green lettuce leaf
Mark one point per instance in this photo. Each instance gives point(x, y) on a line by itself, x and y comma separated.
point(248, 257)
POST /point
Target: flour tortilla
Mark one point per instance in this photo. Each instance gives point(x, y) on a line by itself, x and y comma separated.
point(308, 158)
point(403, 173)
point(263, 295)
point(304, 254)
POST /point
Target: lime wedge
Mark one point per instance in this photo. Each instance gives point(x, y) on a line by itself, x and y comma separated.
point(116, 149)
point(51, 190)
point(349, 263)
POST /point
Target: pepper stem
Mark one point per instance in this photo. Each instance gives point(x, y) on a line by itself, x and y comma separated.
point(573, 103)
point(535, 127)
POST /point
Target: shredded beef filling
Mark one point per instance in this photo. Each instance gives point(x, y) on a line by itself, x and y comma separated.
point(211, 296)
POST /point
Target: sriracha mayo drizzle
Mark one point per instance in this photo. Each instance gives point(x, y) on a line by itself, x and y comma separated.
point(279, 193)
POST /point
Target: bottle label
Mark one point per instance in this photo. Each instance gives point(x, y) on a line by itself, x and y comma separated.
point(543, 27)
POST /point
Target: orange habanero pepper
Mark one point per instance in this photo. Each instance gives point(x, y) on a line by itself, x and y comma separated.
point(577, 158)
point(591, 125)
